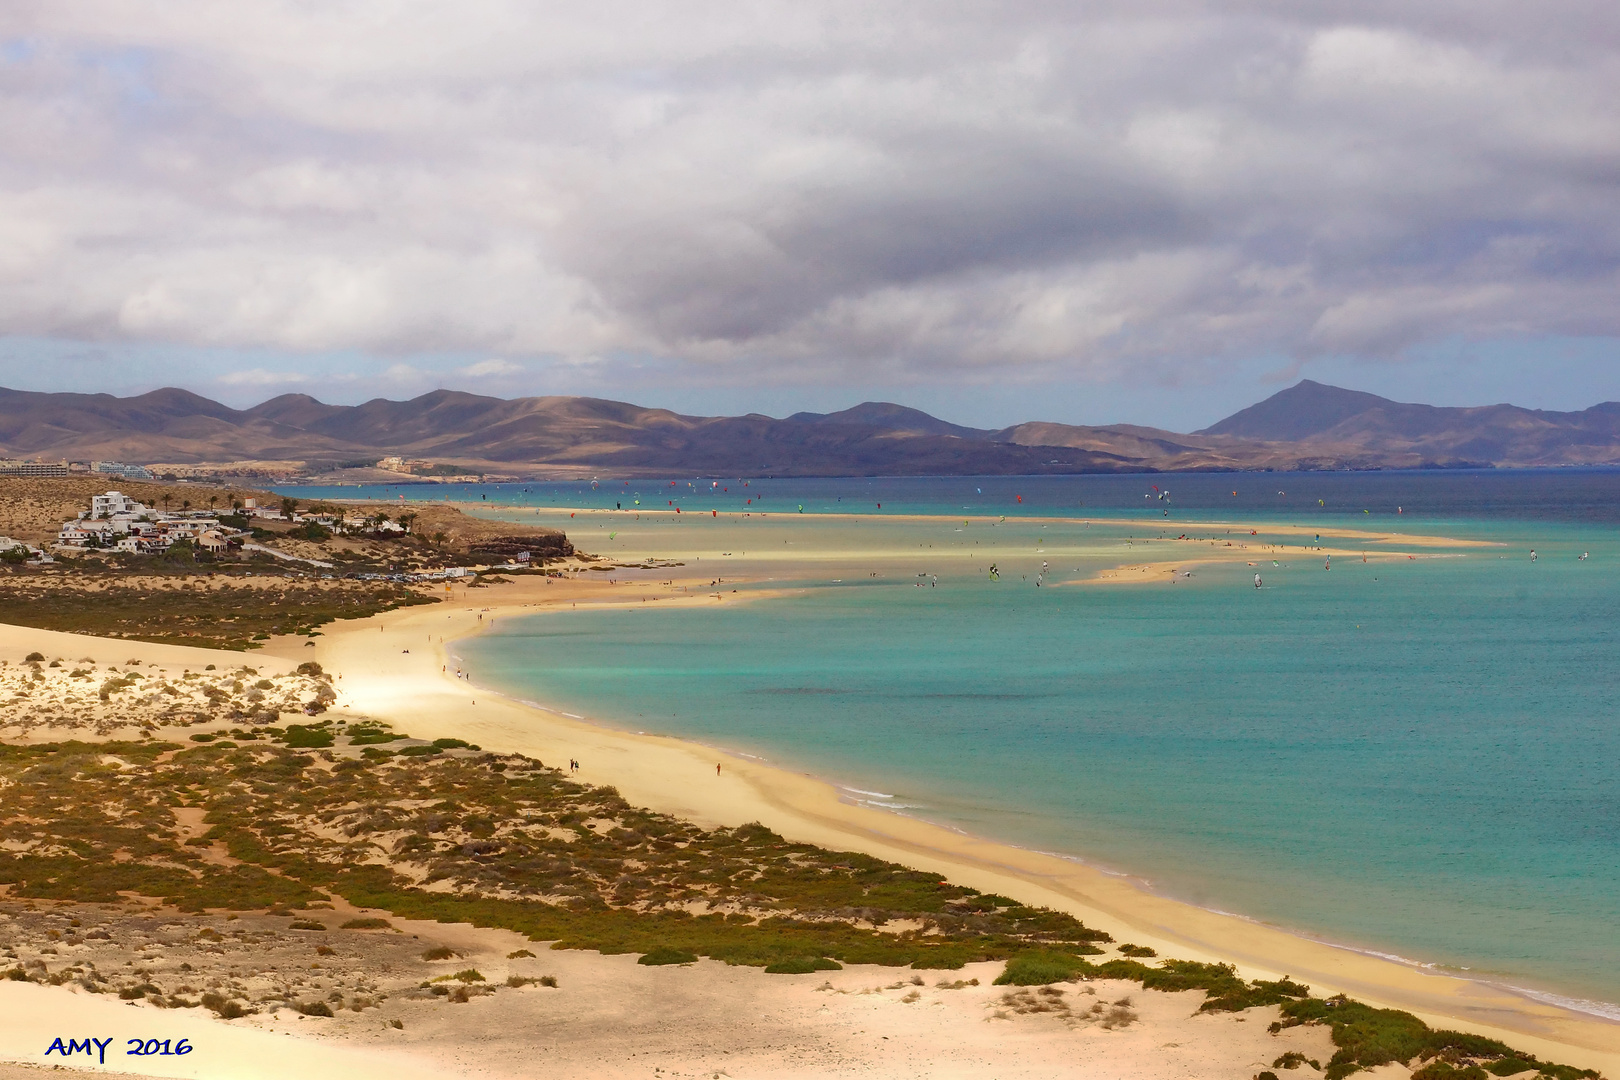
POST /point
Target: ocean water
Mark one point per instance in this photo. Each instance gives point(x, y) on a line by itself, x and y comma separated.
point(1413, 756)
point(1525, 494)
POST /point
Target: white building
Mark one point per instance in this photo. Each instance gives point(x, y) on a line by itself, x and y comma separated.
point(10, 467)
point(189, 527)
point(118, 468)
point(116, 502)
point(79, 533)
point(8, 544)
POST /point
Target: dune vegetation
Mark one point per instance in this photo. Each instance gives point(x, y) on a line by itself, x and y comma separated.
point(284, 819)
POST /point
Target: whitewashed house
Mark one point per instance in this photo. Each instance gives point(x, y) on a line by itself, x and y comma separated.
point(115, 503)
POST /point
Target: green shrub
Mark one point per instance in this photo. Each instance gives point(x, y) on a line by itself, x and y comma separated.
point(441, 952)
point(306, 924)
point(367, 924)
point(1041, 968)
point(1444, 1070)
point(661, 956)
point(1367, 1037)
point(944, 960)
point(802, 965)
point(1139, 951)
point(519, 954)
point(421, 751)
point(1566, 1072)
point(33, 657)
point(310, 667)
point(990, 902)
point(315, 1008)
point(451, 744)
point(300, 737)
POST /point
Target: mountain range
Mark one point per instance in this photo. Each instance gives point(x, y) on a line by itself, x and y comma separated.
point(1307, 426)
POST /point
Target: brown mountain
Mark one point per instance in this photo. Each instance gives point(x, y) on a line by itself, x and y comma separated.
point(165, 425)
point(1308, 426)
point(1310, 414)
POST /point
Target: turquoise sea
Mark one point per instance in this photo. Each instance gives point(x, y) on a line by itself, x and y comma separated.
point(1416, 757)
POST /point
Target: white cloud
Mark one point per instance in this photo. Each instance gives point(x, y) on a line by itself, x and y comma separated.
point(808, 191)
point(486, 368)
point(261, 377)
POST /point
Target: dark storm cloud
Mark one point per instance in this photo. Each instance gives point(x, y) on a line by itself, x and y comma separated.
point(811, 191)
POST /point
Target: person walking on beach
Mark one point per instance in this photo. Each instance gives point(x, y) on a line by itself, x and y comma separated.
point(717, 768)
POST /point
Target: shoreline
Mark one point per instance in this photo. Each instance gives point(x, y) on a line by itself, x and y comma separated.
point(673, 775)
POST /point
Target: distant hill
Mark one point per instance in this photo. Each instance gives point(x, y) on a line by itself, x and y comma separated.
point(1308, 426)
point(1305, 409)
point(1352, 423)
point(165, 425)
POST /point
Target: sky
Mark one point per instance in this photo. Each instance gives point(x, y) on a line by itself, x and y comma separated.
point(1156, 211)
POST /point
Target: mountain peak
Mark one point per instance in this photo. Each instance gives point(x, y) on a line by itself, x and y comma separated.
point(1307, 408)
point(888, 416)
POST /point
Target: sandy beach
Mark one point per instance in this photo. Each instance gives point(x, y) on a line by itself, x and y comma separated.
point(400, 667)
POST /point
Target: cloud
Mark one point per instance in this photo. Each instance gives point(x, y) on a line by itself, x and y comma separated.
point(486, 368)
point(821, 192)
point(261, 377)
